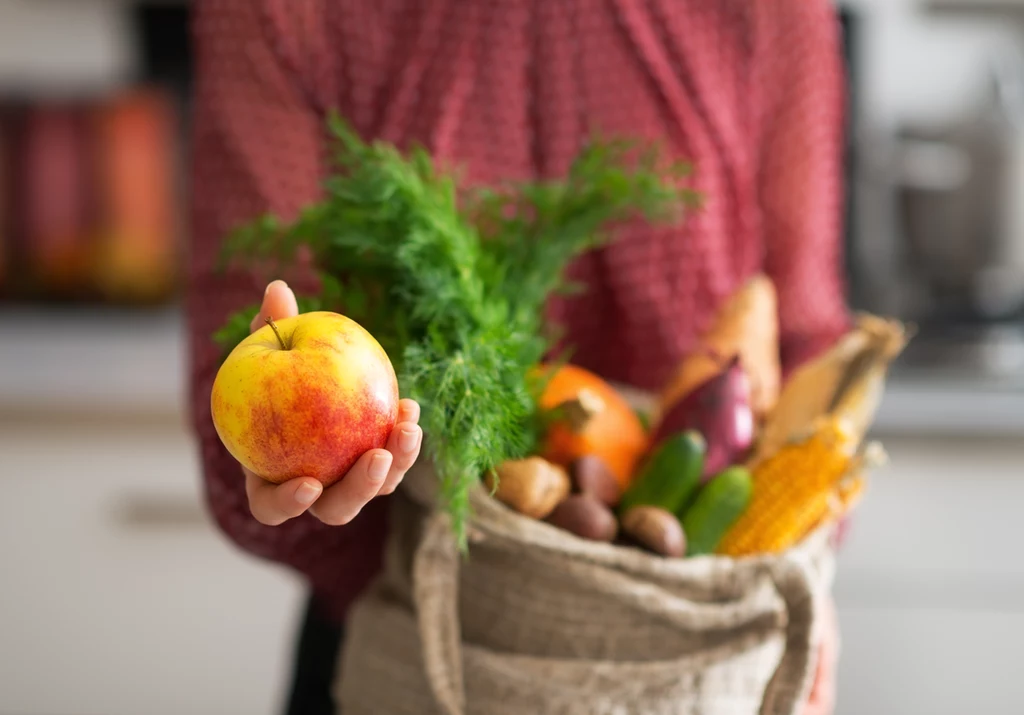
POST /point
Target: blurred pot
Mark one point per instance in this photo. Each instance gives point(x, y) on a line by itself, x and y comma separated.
point(960, 198)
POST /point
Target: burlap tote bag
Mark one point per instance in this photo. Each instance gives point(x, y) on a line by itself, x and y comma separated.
point(536, 620)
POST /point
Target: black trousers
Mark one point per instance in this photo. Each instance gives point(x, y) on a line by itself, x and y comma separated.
point(315, 664)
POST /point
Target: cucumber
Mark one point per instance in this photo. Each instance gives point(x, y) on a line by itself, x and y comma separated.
point(716, 508)
point(670, 475)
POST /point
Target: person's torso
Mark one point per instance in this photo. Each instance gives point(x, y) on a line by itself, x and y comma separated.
point(510, 89)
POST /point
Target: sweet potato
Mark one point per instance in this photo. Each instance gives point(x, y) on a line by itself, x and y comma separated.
point(746, 326)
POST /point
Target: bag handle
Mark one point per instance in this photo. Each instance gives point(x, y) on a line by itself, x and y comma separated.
point(435, 584)
point(787, 691)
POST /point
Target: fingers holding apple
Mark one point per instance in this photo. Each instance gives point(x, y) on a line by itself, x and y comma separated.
point(307, 401)
point(274, 504)
point(378, 472)
point(404, 444)
point(342, 502)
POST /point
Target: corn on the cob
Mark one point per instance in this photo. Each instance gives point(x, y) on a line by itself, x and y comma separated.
point(851, 487)
point(792, 491)
point(847, 495)
point(843, 499)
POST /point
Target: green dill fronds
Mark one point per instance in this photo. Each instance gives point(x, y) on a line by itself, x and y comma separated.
point(455, 294)
point(235, 329)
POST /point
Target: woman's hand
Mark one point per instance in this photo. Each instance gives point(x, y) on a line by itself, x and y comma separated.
point(377, 472)
point(822, 700)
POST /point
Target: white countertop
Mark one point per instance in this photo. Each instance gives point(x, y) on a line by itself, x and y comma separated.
point(135, 361)
point(116, 360)
point(948, 407)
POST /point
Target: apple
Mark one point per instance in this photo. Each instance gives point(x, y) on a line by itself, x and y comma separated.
point(305, 397)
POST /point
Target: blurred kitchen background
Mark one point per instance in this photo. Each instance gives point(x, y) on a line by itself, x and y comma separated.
point(118, 597)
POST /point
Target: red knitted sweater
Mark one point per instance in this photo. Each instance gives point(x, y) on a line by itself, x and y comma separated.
point(750, 92)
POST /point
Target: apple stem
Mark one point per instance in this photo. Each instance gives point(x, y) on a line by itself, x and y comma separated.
point(273, 326)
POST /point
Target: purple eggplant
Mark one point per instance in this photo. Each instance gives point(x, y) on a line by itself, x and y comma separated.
point(720, 409)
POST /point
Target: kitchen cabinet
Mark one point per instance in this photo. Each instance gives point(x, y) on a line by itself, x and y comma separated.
point(119, 597)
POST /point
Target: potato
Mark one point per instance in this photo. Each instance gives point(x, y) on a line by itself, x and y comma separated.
point(586, 517)
point(656, 529)
point(590, 475)
point(531, 486)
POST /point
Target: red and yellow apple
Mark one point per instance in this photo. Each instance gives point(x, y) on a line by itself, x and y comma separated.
point(305, 397)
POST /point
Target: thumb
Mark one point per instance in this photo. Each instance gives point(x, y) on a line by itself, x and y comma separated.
point(278, 303)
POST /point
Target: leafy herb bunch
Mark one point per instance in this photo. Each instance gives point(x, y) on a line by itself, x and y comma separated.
point(453, 283)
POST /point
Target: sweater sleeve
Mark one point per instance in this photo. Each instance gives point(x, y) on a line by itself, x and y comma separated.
point(800, 76)
point(258, 145)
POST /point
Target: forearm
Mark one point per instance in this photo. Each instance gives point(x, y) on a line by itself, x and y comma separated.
point(257, 148)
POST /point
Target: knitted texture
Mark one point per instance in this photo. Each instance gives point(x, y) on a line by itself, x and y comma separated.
point(750, 92)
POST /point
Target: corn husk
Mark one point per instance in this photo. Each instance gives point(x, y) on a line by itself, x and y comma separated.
point(847, 381)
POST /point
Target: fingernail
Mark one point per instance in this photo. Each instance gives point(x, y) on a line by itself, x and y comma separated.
point(413, 412)
point(272, 284)
point(407, 440)
point(379, 466)
point(307, 493)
